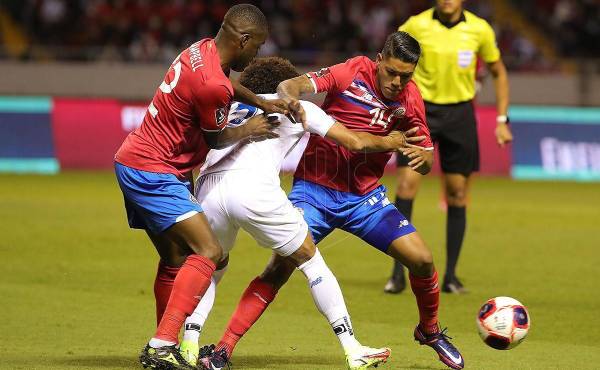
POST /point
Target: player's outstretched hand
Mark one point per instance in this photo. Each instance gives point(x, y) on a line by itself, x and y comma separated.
point(503, 134)
point(297, 113)
point(275, 106)
point(261, 127)
point(417, 155)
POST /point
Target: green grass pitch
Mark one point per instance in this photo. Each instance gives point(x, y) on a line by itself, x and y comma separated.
point(76, 283)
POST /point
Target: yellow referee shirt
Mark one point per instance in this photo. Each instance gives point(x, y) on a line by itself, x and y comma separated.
point(446, 71)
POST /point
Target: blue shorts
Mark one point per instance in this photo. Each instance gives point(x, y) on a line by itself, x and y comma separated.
point(371, 216)
point(155, 201)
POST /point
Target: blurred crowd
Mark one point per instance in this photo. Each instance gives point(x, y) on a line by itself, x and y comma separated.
point(574, 25)
point(306, 31)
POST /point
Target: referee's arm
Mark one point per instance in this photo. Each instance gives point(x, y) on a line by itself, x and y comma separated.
point(498, 71)
point(491, 55)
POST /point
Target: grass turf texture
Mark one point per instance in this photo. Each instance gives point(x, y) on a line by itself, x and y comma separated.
point(76, 286)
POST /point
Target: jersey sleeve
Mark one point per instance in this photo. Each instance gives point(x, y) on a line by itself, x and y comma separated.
point(211, 104)
point(240, 113)
point(415, 116)
point(317, 120)
point(488, 49)
point(336, 78)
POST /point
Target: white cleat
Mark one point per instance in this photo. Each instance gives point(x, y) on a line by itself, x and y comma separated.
point(365, 357)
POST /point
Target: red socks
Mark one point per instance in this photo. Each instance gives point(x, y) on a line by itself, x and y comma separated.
point(427, 292)
point(190, 284)
point(163, 284)
point(253, 303)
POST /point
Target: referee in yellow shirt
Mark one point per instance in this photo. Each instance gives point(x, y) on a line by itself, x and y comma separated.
point(451, 40)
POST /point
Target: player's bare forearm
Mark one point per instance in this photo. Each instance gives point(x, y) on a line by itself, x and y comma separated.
point(294, 87)
point(498, 71)
point(360, 141)
point(244, 95)
point(258, 127)
point(503, 132)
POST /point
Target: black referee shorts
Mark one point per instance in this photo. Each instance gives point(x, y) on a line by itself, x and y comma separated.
point(453, 130)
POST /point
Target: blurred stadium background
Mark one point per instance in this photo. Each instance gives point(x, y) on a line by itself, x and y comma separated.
point(77, 77)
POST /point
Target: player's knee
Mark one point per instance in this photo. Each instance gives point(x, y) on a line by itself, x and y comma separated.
point(422, 263)
point(213, 252)
point(406, 189)
point(456, 196)
point(174, 260)
point(278, 275)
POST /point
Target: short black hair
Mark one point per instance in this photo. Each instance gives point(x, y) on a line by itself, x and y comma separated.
point(247, 15)
point(264, 74)
point(402, 46)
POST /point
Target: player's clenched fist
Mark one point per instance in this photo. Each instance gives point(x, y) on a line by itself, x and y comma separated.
point(261, 127)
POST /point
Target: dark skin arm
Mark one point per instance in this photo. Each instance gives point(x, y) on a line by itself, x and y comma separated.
point(258, 127)
point(244, 95)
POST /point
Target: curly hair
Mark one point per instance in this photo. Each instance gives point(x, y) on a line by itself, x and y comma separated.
point(264, 74)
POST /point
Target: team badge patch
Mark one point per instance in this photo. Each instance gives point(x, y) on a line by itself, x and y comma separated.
point(322, 72)
point(220, 116)
point(399, 112)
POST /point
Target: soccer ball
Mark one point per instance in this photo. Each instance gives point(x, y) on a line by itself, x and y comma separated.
point(503, 322)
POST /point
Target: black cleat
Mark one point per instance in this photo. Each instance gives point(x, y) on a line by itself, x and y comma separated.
point(209, 359)
point(453, 285)
point(163, 358)
point(396, 284)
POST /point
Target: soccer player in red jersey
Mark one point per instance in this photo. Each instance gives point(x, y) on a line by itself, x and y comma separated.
point(337, 188)
point(185, 119)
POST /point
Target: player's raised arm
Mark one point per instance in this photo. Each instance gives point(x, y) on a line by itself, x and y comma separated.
point(244, 95)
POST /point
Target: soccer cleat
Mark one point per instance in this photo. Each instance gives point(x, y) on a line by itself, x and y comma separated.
point(395, 285)
point(453, 285)
point(163, 358)
point(189, 350)
point(365, 357)
point(440, 343)
point(213, 360)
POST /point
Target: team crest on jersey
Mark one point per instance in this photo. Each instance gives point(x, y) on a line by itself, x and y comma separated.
point(399, 112)
point(322, 72)
point(220, 116)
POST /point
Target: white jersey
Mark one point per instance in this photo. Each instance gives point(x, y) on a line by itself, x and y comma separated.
point(266, 156)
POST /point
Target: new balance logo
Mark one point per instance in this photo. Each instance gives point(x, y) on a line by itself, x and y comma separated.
point(403, 223)
point(316, 282)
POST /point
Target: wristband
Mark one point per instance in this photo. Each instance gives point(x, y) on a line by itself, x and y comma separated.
point(502, 119)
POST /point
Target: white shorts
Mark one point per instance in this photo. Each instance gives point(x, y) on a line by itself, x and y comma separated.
point(240, 199)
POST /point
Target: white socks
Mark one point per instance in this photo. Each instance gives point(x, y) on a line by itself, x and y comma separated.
point(328, 298)
point(195, 322)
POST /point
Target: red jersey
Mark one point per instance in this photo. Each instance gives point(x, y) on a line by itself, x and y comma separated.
point(354, 100)
point(194, 97)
